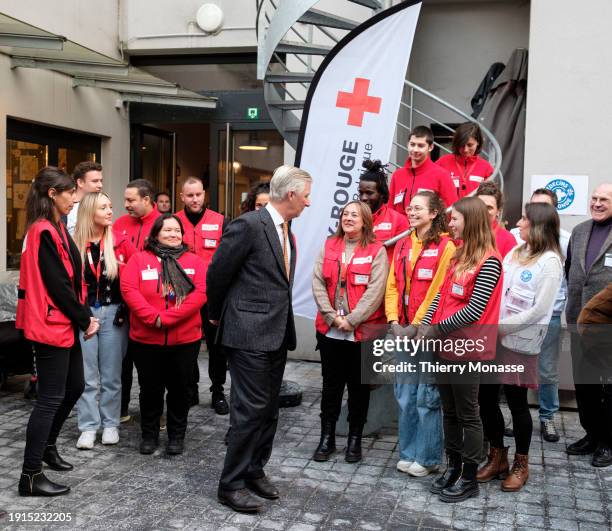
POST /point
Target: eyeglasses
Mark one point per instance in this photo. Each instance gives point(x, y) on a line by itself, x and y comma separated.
point(415, 208)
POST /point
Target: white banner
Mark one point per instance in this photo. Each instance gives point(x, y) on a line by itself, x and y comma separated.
point(572, 192)
point(350, 115)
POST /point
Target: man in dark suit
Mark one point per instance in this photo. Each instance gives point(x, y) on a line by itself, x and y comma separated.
point(249, 284)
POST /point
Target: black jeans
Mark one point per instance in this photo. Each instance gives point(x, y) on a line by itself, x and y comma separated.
point(127, 370)
point(341, 366)
point(60, 384)
point(162, 368)
point(493, 420)
point(256, 380)
point(217, 360)
point(461, 421)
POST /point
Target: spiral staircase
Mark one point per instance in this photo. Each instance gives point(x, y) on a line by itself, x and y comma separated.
point(294, 36)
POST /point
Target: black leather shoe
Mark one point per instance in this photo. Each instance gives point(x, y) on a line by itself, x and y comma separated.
point(602, 456)
point(148, 446)
point(353, 445)
point(219, 404)
point(37, 484)
point(240, 500)
point(263, 487)
point(327, 444)
point(175, 446)
point(450, 475)
point(460, 491)
point(584, 446)
point(54, 461)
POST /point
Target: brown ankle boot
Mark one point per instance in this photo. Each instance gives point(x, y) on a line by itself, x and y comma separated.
point(518, 475)
point(496, 466)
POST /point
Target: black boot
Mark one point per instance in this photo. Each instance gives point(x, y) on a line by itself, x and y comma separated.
point(327, 444)
point(353, 445)
point(465, 487)
point(175, 446)
point(54, 461)
point(450, 475)
point(37, 484)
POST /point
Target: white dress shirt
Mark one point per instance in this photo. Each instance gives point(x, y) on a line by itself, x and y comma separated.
point(278, 223)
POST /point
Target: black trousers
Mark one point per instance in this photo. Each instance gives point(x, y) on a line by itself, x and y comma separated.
point(217, 360)
point(493, 419)
point(162, 368)
point(127, 369)
point(341, 366)
point(460, 417)
point(256, 380)
point(60, 384)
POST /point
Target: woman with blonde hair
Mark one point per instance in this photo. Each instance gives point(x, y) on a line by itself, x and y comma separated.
point(348, 285)
point(103, 255)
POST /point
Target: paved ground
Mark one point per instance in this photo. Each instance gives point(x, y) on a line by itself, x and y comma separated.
point(117, 488)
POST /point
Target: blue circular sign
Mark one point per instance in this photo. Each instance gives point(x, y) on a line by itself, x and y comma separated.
point(526, 275)
point(565, 192)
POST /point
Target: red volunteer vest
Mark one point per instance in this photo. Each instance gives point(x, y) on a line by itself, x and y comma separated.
point(357, 279)
point(37, 314)
point(420, 275)
point(387, 224)
point(204, 238)
point(455, 294)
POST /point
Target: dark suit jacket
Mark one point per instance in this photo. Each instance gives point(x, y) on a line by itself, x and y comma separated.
point(247, 288)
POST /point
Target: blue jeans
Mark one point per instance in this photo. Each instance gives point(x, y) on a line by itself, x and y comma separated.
point(548, 361)
point(102, 359)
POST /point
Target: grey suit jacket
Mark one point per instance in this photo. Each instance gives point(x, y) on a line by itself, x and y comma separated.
point(583, 285)
point(247, 287)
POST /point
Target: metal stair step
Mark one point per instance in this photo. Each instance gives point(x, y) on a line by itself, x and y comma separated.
point(290, 77)
point(322, 18)
point(374, 4)
point(288, 105)
point(302, 48)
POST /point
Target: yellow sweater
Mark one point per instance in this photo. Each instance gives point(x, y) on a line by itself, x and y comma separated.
point(391, 293)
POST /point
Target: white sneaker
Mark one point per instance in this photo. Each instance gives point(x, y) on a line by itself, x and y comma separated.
point(420, 470)
point(86, 440)
point(403, 466)
point(110, 436)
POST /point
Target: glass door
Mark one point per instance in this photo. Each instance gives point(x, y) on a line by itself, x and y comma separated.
point(246, 157)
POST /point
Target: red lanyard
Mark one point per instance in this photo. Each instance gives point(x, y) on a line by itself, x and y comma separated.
point(467, 173)
point(97, 270)
point(344, 263)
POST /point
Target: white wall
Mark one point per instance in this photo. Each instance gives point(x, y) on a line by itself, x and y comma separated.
point(90, 23)
point(568, 102)
point(48, 98)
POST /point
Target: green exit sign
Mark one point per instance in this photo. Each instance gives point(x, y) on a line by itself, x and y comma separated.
point(253, 113)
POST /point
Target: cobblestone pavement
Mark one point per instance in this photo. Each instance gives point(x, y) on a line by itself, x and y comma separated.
point(114, 487)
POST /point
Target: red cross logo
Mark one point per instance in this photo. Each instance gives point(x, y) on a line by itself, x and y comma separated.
point(358, 102)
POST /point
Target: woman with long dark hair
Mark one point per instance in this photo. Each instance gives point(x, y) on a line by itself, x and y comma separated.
point(532, 276)
point(257, 198)
point(164, 287)
point(51, 310)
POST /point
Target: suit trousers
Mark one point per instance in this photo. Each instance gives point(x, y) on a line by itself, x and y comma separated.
point(60, 384)
point(217, 360)
point(256, 380)
point(162, 368)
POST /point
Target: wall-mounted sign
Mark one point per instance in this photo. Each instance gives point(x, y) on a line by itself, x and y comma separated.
point(253, 113)
point(572, 192)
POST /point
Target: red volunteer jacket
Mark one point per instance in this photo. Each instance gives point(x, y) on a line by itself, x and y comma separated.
point(466, 172)
point(407, 181)
point(141, 290)
point(420, 276)
point(136, 230)
point(387, 224)
point(37, 315)
point(204, 238)
point(455, 294)
point(504, 239)
point(357, 279)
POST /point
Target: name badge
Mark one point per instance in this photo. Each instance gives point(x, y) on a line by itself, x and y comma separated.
point(149, 274)
point(425, 274)
point(210, 243)
point(398, 198)
point(456, 183)
point(457, 289)
point(476, 178)
point(189, 271)
point(362, 279)
point(430, 252)
point(121, 258)
point(383, 226)
point(424, 190)
point(608, 260)
point(362, 260)
point(206, 226)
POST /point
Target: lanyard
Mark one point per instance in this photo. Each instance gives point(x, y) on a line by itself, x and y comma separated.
point(96, 270)
point(344, 264)
point(463, 171)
